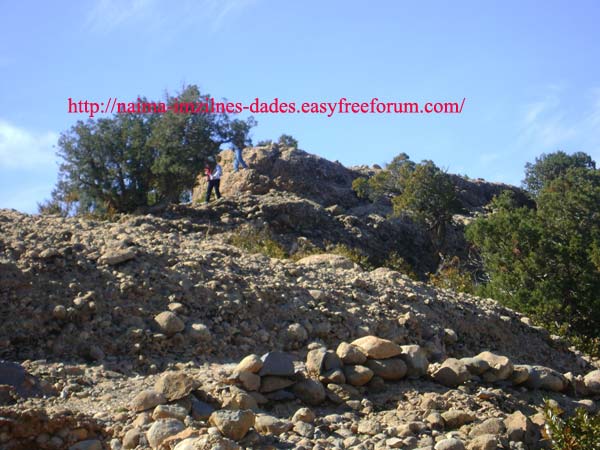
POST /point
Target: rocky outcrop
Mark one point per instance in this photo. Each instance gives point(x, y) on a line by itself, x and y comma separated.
point(285, 169)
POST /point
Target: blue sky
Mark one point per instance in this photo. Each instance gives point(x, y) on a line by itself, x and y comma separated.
point(530, 71)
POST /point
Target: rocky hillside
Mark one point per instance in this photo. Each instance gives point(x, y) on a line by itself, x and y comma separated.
point(300, 196)
point(153, 331)
point(327, 183)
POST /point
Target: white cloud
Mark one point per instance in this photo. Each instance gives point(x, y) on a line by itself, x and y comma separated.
point(23, 149)
point(108, 15)
point(558, 121)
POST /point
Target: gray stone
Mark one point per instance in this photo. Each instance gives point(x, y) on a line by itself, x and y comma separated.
point(452, 373)
point(201, 410)
point(547, 379)
point(357, 375)
point(233, 424)
point(169, 323)
point(416, 361)
point(278, 364)
point(147, 400)
point(450, 444)
point(272, 383)
point(389, 369)
point(377, 348)
point(162, 429)
point(175, 385)
point(350, 354)
point(310, 391)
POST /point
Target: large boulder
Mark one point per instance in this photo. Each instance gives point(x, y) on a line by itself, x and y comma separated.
point(278, 364)
point(389, 369)
point(416, 360)
point(161, 430)
point(452, 373)
point(310, 391)
point(541, 377)
point(233, 424)
point(175, 385)
point(377, 348)
point(500, 366)
point(350, 354)
point(592, 382)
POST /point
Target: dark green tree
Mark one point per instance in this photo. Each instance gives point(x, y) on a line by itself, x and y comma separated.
point(544, 261)
point(422, 190)
point(128, 161)
point(387, 182)
point(182, 143)
point(430, 196)
point(239, 132)
point(287, 140)
point(550, 166)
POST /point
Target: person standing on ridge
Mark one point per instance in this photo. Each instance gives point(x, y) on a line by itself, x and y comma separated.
point(237, 158)
point(214, 179)
point(239, 139)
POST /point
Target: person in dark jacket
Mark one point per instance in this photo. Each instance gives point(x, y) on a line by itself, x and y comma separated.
point(213, 175)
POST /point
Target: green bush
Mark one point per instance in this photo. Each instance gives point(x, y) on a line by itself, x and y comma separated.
point(581, 431)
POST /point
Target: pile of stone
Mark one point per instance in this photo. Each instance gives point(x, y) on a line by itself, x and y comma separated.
point(268, 377)
point(166, 411)
point(371, 361)
point(488, 367)
point(368, 360)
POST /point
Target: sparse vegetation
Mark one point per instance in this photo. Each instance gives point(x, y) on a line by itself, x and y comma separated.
point(453, 276)
point(255, 240)
point(351, 253)
point(287, 140)
point(581, 431)
point(396, 262)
